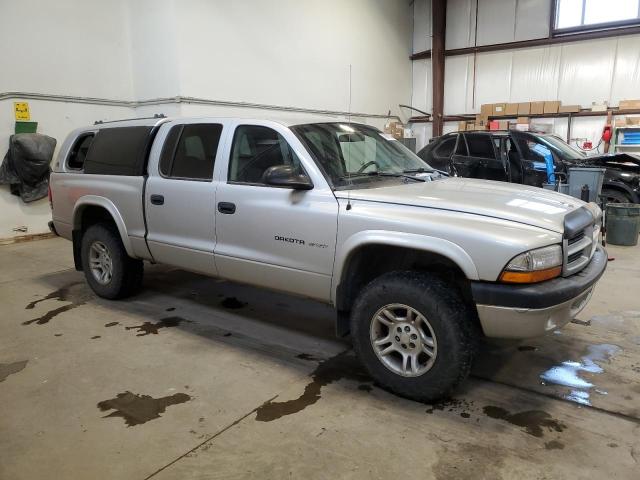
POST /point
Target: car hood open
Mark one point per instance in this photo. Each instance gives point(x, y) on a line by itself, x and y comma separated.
point(517, 203)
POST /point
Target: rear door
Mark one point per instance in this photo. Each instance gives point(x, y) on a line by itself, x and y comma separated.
point(180, 195)
point(485, 157)
point(538, 161)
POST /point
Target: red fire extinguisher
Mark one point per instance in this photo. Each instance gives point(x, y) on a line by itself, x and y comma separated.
point(607, 134)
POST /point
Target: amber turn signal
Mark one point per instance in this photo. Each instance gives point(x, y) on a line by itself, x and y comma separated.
point(530, 277)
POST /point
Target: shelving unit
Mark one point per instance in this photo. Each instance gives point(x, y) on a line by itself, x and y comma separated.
point(568, 116)
point(632, 147)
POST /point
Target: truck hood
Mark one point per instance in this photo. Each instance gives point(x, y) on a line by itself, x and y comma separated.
point(517, 203)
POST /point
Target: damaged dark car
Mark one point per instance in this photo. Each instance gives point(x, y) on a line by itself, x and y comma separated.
point(530, 159)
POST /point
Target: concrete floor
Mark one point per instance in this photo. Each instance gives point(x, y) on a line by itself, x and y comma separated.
point(200, 378)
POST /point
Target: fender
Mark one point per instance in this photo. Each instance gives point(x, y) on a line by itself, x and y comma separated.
point(621, 186)
point(95, 200)
point(415, 241)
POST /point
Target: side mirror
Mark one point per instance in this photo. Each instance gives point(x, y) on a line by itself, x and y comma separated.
point(286, 176)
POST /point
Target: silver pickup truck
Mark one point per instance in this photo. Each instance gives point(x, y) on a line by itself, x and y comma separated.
point(417, 265)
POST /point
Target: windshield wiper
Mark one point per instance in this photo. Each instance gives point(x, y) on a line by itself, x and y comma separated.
point(423, 170)
point(392, 174)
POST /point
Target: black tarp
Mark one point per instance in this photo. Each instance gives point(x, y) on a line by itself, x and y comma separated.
point(26, 166)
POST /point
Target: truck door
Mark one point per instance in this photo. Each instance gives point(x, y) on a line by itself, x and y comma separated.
point(275, 237)
point(180, 196)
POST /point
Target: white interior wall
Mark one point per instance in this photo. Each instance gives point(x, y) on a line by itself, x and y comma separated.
point(266, 52)
point(574, 73)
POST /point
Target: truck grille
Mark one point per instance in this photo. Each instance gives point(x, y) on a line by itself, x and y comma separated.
point(579, 249)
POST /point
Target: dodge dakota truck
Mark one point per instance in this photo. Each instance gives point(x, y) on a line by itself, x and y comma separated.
point(418, 266)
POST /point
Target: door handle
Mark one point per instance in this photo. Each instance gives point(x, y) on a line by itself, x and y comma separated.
point(157, 199)
point(227, 207)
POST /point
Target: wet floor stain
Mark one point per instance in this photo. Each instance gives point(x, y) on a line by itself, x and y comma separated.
point(532, 421)
point(343, 365)
point(454, 405)
point(170, 309)
point(527, 348)
point(308, 357)
point(568, 373)
point(554, 445)
point(7, 369)
point(138, 409)
point(233, 303)
point(95, 337)
point(111, 324)
point(148, 328)
point(77, 296)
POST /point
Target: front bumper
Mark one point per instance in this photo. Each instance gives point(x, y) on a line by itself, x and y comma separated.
point(523, 311)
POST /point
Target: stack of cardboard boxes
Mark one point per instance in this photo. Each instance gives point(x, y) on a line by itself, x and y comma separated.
point(521, 111)
point(398, 130)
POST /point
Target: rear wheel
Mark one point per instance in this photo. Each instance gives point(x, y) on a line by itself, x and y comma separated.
point(414, 334)
point(615, 196)
point(110, 272)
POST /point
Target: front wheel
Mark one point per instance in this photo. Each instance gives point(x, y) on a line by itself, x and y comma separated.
point(614, 196)
point(109, 271)
point(414, 334)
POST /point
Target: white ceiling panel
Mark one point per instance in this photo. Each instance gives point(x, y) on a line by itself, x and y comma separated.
point(493, 77)
point(496, 21)
point(626, 77)
point(586, 71)
point(461, 22)
point(535, 74)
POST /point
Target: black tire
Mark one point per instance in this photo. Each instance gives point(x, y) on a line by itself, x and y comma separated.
point(615, 196)
point(127, 272)
point(452, 322)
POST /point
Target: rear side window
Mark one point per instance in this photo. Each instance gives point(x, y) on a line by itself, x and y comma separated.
point(189, 152)
point(445, 149)
point(118, 151)
point(480, 145)
point(78, 153)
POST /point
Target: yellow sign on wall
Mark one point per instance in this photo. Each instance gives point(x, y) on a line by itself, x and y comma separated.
point(22, 111)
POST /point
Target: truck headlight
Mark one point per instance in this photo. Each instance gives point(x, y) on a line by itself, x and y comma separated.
point(534, 266)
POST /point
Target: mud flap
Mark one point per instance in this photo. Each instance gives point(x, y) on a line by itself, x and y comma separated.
point(76, 236)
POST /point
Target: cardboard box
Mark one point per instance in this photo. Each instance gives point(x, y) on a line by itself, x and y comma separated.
point(524, 127)
point(537, 108)
point(620, 123)
point(494, 125)
point(503, 125)
point(394, 128)
point(629, 105)
point(599, 107)
point(522, 120)
point(524, 108)
point(511, 109)
point(486, 109)
point(462, 126)
point(551, 107)
point(569, 108)
point(632, 120)
point(499, 109)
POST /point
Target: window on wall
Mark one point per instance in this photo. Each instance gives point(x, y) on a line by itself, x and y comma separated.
point(590, 14)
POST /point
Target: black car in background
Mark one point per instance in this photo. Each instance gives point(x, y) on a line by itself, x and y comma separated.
point(526, 157)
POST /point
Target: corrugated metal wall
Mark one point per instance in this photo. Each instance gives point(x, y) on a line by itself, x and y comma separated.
point(575, 73)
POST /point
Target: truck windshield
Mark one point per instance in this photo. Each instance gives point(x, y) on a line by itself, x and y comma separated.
point(352, 154)
point(562, 148)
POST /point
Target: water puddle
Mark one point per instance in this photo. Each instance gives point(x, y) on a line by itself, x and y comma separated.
point(233, 303)
point(68, 293)
point(138, 409)
point(568, 373)
point(7, 369)
point(148, 328)
point(343, 365)
point(532, 421)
